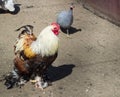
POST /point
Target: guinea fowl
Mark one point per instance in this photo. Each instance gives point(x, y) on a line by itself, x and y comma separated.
point(65, 19)
point(7, 5)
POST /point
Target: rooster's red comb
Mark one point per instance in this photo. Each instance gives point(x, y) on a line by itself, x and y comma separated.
point(56, 24)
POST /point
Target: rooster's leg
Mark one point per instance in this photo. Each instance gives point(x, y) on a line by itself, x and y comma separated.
point(38, 82)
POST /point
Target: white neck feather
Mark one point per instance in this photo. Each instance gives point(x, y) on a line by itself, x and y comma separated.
point(46, 43)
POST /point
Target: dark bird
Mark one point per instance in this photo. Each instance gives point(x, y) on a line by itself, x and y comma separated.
point(65, 19)
point(33, 56)
point(7, 5)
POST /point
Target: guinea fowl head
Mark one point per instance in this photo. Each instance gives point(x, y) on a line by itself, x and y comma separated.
point(72, 6)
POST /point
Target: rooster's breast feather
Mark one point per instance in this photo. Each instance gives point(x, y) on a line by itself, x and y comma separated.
point(29, 53)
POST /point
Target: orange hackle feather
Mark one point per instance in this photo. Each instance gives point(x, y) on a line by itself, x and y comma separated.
point(26, 46)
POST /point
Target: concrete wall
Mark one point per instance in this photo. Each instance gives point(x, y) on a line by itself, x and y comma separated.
point(109, 9)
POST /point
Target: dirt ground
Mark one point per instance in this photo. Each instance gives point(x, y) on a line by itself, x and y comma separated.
point(88, 64)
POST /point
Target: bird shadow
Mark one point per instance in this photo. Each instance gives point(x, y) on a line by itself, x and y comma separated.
point(17, 10)
point(3, 11)
point(57, 73)
point(72, 30)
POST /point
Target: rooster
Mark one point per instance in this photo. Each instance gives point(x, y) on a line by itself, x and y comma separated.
point(33, 56)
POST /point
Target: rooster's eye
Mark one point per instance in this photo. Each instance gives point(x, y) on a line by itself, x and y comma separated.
point(55, 28)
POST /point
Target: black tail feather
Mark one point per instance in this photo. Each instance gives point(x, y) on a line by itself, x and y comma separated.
point(10, 81)
point(27, 28)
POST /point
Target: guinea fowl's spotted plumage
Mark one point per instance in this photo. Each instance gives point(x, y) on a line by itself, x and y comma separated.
point(65, 18)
